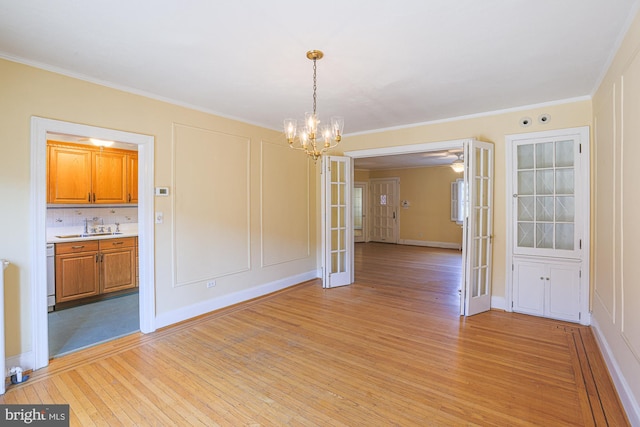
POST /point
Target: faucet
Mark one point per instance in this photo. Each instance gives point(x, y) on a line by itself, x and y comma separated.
point(93, 228)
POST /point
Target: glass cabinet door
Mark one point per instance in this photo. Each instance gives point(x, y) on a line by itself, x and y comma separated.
point(545, 183)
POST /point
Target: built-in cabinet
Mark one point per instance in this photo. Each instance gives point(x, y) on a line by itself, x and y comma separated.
point(83, 174)
point(548, 288)
point(94, 267)
point(549, 223)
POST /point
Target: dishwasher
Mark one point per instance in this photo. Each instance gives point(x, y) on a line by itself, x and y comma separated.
point(51, 276)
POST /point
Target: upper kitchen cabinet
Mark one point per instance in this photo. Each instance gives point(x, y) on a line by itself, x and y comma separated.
point(132, 178)
point(109, 177)
point(81, 174)
point(69, 175)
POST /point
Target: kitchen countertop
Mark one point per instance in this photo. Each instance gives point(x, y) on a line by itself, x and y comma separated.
point(126, 230)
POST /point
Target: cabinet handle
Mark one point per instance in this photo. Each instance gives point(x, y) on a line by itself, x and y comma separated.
point(77, 247)
point(89, 199)
point(117, 243)
point(94, 197)
point(129, 198)
point(97, 255)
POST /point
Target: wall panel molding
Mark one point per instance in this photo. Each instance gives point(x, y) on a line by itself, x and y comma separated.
point(630, 204)
point(604, 196)
point(211, 204)
point(284, 215)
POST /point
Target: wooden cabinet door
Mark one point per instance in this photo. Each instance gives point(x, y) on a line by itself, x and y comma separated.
point(117, 264)
point(109, 177)
point(77, 273)
point(132, 178)
point(69, 178)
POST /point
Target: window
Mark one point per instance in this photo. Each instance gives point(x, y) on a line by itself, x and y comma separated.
point(458, 199)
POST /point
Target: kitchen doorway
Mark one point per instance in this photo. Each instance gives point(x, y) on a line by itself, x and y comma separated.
point(40, 127)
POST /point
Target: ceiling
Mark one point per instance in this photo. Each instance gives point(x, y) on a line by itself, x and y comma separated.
point(387, 63)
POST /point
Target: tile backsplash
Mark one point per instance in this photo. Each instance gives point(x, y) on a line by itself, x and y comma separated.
point(71, 217)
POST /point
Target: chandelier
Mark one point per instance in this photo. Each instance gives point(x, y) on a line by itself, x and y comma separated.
point(308, 139)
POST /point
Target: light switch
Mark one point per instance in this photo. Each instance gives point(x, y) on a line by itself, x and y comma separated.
point(162, 191)
point(159, 217)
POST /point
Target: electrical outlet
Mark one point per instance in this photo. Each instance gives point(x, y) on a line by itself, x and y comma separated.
point(211, 283)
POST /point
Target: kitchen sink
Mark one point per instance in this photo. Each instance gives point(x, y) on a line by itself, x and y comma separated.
point(75, 236)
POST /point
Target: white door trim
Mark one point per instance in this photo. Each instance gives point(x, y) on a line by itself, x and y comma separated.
point(408, 149)
point(39, 128)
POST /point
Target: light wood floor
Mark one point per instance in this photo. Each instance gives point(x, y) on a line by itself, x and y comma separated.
point(389, 350)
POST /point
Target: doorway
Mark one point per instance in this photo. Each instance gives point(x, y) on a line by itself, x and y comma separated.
point(40, 127)
point(106, 308)
point(475, 296)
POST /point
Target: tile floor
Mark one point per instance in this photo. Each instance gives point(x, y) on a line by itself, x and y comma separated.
point(90, 324)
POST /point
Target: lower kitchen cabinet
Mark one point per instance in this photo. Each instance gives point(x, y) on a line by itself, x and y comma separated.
point(117, 264)
point(547, 288)
point(77, 273)
point(94, 267)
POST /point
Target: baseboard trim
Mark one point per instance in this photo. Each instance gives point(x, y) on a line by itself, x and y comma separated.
point(207, 306)
point(630, 404)
point(444, 245)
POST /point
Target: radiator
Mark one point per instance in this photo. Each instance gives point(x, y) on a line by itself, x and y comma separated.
point(3, 368)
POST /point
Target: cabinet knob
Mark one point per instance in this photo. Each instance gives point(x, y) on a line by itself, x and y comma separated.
point(541, 278)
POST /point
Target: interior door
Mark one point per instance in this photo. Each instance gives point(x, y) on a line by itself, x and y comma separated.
point(337, 236)
point(384, 206)
point(478, 222)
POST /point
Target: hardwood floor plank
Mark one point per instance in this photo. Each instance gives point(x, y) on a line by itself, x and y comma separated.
point(390, 349)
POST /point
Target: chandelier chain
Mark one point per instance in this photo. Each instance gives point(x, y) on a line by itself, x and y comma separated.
point(314, 87)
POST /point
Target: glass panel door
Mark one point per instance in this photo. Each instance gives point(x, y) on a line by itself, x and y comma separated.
point(337, 228)
point(545, 174)
point(478, 233)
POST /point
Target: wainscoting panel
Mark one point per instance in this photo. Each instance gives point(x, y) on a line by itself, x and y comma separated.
point(284, 204)
point(211, 193)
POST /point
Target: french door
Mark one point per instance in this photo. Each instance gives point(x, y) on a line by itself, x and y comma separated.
point(477, 227)
point(384, 206)
point(337, 229)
